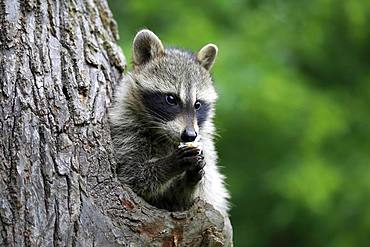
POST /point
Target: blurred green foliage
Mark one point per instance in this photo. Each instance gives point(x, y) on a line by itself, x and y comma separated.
point(294, 110)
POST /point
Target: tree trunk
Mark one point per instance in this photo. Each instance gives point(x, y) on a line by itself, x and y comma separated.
point(58, 187)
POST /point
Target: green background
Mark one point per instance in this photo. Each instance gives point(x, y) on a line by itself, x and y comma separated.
point(293, 114)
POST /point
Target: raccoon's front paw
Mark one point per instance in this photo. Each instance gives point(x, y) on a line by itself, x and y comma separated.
point(195, 173)
point(187, 158)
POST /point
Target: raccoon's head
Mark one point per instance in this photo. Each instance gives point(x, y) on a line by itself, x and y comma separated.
point(172, 88)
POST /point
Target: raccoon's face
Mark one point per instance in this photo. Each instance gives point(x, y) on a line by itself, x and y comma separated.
point(174, 88)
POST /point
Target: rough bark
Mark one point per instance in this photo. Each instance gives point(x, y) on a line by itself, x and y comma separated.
point(59, 63)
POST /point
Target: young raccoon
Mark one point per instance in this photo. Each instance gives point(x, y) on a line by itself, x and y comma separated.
point(166, 100)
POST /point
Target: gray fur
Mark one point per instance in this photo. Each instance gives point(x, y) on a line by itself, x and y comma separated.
point(147, 148)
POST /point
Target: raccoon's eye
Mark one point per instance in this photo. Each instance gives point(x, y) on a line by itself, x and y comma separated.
point(197, 105)
point(171, 100)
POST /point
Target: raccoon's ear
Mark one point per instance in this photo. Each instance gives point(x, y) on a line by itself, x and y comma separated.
point(146, 46)
point(207, 56)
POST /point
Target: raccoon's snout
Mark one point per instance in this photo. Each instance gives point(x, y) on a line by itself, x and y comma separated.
point(189, 135)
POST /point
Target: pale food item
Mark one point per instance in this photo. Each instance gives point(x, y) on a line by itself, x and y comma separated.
point(194, 144)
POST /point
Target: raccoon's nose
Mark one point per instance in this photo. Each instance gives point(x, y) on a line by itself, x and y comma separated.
point(188, 135)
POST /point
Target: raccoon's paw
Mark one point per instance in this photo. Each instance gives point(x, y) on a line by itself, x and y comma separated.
point(194, 174)
point(189, 157)
point(186, 158)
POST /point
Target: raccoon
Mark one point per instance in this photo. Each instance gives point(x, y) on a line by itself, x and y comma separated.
point(167, 99)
